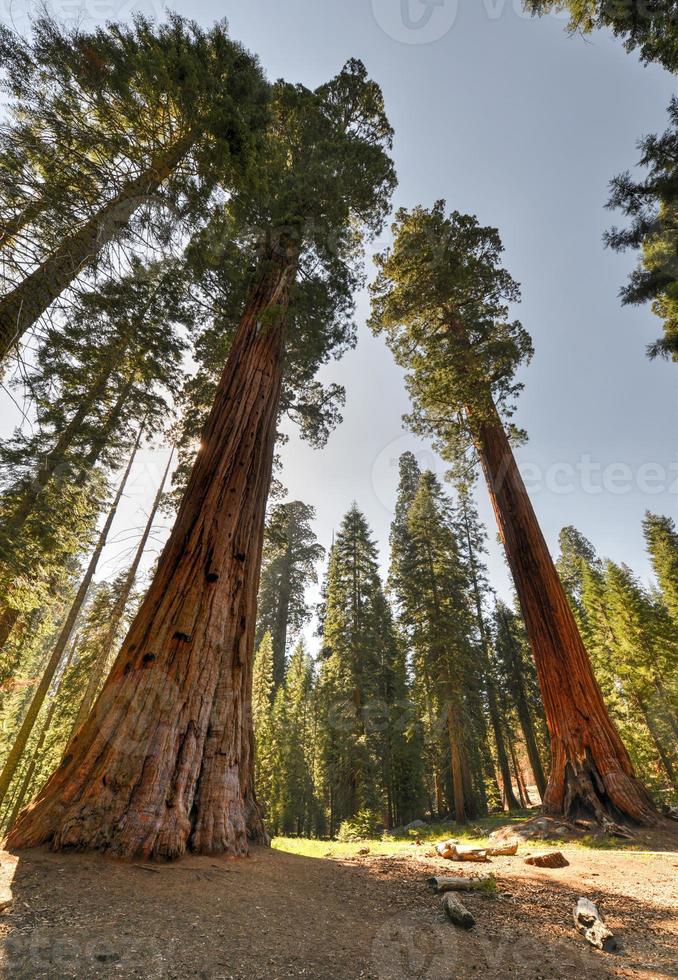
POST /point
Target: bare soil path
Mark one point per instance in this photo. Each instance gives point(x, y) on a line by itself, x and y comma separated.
point(278, 915)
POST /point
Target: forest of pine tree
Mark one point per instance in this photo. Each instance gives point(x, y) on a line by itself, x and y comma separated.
point(187, 248)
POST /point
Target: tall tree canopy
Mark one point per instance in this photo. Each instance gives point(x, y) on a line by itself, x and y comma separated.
point(113, 131)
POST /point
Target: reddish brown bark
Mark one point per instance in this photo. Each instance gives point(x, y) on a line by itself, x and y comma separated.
point(591, 771)
point(164, 762)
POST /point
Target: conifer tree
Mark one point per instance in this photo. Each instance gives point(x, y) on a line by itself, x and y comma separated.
point(651, 204)
point(290, 555)
point(112, 126)
point(629, 637)
point(441, 298)
point(661, 539)
point(360, 683)
point(298, 803)
point(263, 692)
point(117, 612)
point(648, 26)
point(435, 604)
point(114, 365)
point(518, 682)
point(189, 651)
point(64, 636)
point(472, 541)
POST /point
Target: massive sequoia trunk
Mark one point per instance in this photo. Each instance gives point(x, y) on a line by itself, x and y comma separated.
point(164, 761)
point(591, 772)
point(21, 307)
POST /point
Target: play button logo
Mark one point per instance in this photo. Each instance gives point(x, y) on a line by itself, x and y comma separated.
point(415, 21)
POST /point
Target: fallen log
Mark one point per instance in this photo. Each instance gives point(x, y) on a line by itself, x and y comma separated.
point(440, 884)
point(462, 852)
point(453, 851)
point(457, 913)
point(508, 850)
point(554, 859)
point(590, 923)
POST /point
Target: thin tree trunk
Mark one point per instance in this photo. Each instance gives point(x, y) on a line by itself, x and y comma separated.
point(12, 227)
point(8, 620)
point(46, 725)
point(510, 802)
point(527, 726)
point(99, 666)
point(668, 709)
point(280, 635)
point(55, 458)
point(658, 743)
point(525, 715)
point(164, 760)
point(457, 764)
point(20, 308)
point(62, 640)
point(524, 801)
point(591, 770)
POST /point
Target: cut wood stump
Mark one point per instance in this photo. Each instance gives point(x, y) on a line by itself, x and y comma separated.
point(590, 923)
point(457, 913)
point(554, 859)
point(440, 884)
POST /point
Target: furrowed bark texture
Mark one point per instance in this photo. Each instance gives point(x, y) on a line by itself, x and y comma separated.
point(164, 762)
point(20, 308)
point(591, 772)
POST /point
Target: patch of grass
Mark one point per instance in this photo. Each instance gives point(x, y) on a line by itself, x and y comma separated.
point(477, 833)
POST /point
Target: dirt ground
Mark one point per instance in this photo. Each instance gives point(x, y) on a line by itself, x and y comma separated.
point(277, 915)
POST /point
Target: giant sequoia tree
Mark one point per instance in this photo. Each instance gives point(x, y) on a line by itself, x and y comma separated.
point(441, 298)
point(164, 761)
point(110, 128)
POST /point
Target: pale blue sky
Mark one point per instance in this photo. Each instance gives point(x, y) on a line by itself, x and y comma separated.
point(511, 119)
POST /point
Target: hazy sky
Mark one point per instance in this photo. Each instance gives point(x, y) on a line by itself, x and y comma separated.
point(511, 119)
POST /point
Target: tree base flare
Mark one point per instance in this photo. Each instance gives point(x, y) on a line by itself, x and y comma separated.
point(576, 790)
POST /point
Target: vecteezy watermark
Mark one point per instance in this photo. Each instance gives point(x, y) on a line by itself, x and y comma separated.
point(405, 947)
point(581, 474)
point(48, 951)
point(415, 21)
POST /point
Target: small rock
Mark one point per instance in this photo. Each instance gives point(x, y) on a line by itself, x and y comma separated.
point(364, 850)
point(415, 825)
point(107, 957)
point(554, 859)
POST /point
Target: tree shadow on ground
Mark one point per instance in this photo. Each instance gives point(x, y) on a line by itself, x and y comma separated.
point(277, 915)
